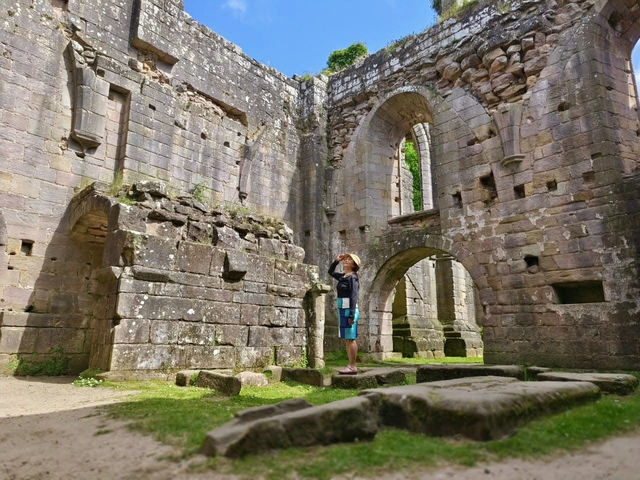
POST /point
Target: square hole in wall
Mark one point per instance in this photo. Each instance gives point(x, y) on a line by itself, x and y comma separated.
point(590, 291)
point(552, 185)
point(519, 192)
point(457, 199)
point(26, 247)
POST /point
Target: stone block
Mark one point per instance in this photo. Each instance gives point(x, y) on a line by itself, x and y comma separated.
point(194, 258)
point(308, 376)
point(151, 251)
point(236, 265)
point(431, 373)
point(616, 383)
point(253, 357)
point(236, 335)
point(342, 421)
point(183, 378)
point(132, 331)
point(224, 384)
point(252, 379)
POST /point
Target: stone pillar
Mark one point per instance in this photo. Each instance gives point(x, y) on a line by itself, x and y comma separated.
point(318, 208)
point(455, 305)
point(315, 302)
point(417, 332)
point(422, 135)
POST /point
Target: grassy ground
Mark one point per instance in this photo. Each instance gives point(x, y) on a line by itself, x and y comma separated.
point(181, 416)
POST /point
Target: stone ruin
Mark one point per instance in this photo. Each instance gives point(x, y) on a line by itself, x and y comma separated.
point(525, 246)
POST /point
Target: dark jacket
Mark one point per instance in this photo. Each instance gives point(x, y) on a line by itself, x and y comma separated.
point(348, 286)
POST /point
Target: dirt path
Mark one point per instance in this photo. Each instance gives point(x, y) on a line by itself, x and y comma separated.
point(50, 429)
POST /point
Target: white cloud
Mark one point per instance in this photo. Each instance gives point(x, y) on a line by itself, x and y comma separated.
point(238, 7)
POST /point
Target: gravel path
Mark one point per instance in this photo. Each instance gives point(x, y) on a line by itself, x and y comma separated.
point(50, 429)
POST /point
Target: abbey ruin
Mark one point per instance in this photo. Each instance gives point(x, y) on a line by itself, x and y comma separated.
point(167, 202)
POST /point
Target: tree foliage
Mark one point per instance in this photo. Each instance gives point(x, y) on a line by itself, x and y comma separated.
point(341, 59)
point(437, 6)
point(413, 162)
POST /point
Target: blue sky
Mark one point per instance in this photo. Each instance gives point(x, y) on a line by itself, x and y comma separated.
point(297, 36)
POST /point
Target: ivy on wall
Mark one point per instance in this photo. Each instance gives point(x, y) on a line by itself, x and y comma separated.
point(413, 162)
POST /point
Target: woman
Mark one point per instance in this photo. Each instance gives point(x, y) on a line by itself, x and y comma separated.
point(347, 293)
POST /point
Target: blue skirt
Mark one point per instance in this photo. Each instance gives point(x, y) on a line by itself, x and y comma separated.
point(348, 332)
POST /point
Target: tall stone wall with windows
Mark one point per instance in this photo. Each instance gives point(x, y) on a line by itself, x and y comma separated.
point(531, 116)
point(119, 92)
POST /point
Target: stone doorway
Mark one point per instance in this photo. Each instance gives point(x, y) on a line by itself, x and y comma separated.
point(435, 309)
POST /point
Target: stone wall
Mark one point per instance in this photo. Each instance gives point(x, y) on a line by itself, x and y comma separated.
point(174, 284)
point(117, 92)
point(531, 134)
point(532, 113)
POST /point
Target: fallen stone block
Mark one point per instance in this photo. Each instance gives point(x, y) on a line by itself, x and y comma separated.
point(308, 376)
point(480, 408)
point(252, 379)
point(533, 372)
point(276, 372)
point(183, 378)
point(433, 373)
point(618, 383)
point(225, 384)
point(342, 421)
point(372, 378)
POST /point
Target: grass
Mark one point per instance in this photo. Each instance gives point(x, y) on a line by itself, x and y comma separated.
point(182, 416)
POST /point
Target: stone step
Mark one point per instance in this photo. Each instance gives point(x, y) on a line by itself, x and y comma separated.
point(433, 373)
point(480, 408)
point(618, 383)
point(308, 376)
point(342, 421)
point(370, 378)
point(225, 384)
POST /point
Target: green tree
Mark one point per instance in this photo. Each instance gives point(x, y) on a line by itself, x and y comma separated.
point(341, 59)
point(437, 6)
point(413, 162)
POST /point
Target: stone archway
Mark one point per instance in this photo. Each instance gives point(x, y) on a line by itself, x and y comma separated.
point(90, 231)
point(397, 251)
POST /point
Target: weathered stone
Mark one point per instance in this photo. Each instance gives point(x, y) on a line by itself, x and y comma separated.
point(154, 188)
point(184, 377)
point(431, 373)
point(480, 408)
point(252, 379)
point(224, 384)
point(308, 376)
point(342, 421)
point(236, 265)
point(618, 383)
point(369, 378)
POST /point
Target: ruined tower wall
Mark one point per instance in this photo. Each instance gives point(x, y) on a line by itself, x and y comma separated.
point(118, 92)
point(533, 116)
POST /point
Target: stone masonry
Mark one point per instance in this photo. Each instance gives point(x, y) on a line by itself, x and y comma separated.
point(524, 114)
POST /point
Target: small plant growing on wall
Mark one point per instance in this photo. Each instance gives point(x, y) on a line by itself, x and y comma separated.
point(199, 192)
point(341, 59)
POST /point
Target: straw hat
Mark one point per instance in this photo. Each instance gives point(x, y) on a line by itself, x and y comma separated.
point(355, 258)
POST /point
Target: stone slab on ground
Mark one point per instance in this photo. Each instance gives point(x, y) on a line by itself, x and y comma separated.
point(369, 378)
point(252, 379)
point(183, 378)
point(225, 384)
point(346, 420)
point(308, 376)
point(480, 408)
point(619, 383)
point(434, 373)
